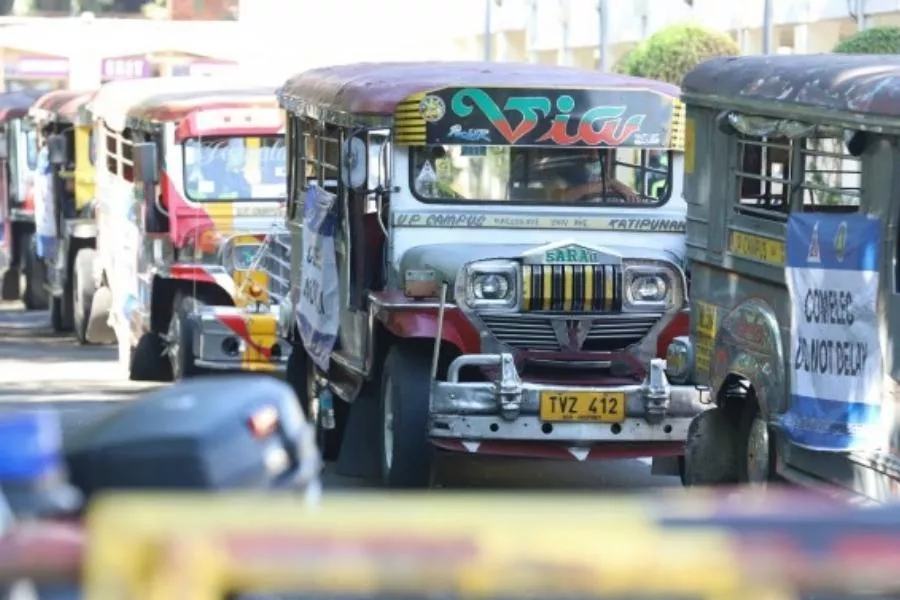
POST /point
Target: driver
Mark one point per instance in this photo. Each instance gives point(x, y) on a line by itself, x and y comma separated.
point(575, 181)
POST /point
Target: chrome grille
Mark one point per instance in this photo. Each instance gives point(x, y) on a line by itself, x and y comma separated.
point(571, 288)
point(276, 263)
point(608, 333)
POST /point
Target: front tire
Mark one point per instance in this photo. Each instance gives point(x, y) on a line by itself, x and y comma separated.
point(180, 345)
point(148, 360)
point(300, 376)
point(755, 446)
point(83, 290)
point(407, 457)
point(709, 457)
point(35, 296)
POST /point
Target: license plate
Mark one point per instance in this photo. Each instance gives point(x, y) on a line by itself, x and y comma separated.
point(597, 407)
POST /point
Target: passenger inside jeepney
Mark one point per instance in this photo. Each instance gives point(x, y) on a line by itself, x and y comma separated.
point(583, 174)
point(503, 173)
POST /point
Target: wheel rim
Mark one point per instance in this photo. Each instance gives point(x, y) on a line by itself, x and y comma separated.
point(387, 419)
point(173, 348)
point(758, 459)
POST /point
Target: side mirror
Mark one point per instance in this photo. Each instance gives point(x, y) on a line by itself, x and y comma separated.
point(145, 166)
point(57, 149)
point(354, 163)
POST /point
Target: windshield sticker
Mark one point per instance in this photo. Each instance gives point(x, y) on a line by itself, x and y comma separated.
point(836, 357)
point(540, 117)
point(511, 221)
point(427, 174)
point(469, 135)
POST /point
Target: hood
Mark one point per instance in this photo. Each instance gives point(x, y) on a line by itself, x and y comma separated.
point(447, 259)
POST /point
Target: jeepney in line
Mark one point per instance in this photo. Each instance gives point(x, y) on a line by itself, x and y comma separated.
point(791, 177)
point(371, 547)
point(63, 203)
point(18, 158)
point(478, 263)
point(190, 188)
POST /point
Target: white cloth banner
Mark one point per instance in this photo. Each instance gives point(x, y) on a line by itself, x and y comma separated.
point(318, 315)
point(836, 358)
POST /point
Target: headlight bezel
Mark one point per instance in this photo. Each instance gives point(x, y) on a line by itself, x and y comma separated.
point(671, 275)
point(465, 281)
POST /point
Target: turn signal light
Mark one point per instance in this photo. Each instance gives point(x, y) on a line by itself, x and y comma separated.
point(263, 422)
point(255, 291)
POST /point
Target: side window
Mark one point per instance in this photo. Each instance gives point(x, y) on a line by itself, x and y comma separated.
point(127, 157)
point(813, 174)
point(831, 176)
point(765, 174)
point(644, 171)
point(112, 151)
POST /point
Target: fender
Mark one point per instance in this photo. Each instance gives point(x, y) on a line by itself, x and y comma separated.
point(749, 344)
point(409, 320)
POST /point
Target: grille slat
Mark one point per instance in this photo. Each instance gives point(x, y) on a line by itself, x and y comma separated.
point(571, 288)
point(608, 333)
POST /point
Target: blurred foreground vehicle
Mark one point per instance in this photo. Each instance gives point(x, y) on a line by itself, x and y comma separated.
point(794, 271)
point(367, 546)
point(64, 204)
point(185, 437)
point(18, 158)
point(190, 188)
point(487, 258)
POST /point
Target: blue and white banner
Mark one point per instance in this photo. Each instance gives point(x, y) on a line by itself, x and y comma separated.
point(836, 361)
point(318, 311)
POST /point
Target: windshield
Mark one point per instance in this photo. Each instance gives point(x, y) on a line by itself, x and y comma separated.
point(235, 168)
point(31, 145)
point(541, 176)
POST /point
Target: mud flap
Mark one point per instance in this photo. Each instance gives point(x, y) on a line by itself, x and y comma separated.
point(665, 465)
point(11, 288)
point(98, 330)
point(359, 448)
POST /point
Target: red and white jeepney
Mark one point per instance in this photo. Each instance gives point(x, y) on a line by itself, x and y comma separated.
point(190, 186)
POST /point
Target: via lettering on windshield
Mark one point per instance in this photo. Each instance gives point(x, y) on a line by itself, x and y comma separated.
point(564, 119)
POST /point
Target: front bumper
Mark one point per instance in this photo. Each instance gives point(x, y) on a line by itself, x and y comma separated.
point(509, 409)
point(226, 338)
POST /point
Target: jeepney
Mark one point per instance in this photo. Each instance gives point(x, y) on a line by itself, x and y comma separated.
point(371, 546)
point(792, 241)
point(190, 188)
point(63, 203)
point(18, 158)
point(478, 264)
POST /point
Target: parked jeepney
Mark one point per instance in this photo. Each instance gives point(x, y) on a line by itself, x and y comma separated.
point(792, 240)
point(63, 203)
point(18, 157)
point(190, 187)
point(478, 263)
point(370, 546)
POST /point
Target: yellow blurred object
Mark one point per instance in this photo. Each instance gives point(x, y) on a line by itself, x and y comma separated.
point(255, 291)
point(202, 547)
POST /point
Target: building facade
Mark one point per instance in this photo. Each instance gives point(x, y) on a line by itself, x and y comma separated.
point(569, 31)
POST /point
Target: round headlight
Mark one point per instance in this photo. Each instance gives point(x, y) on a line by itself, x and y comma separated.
point(679, 359)
point(648, 288)
point(490, 286)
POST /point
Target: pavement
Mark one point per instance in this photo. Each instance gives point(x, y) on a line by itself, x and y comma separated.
point(41, 369)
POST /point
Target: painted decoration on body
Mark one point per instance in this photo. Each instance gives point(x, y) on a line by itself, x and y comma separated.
point(538, 117)
point(318, 311)
point(836, 358)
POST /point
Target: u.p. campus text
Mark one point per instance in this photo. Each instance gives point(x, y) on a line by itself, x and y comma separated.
point(823, 356)
point(475, 220)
